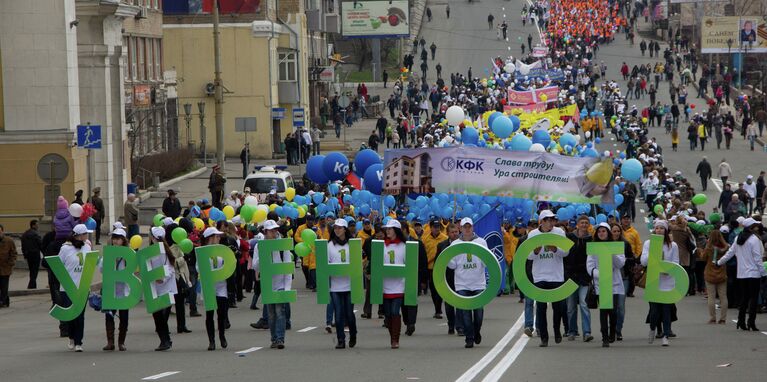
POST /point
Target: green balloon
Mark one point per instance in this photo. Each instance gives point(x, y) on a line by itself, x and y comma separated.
point(157, 220)
point(246, 213)
point(186, 245)
point(178, 234)
point(658, 209)
point(308, 236)
point(715, 218)
point(699, 199)
point(303, 249)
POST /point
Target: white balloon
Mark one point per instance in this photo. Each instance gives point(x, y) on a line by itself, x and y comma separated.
point(454, 115)
point(588, 134)
point(537, 148)
point(509, 68)
point(263, 207)
point(577, 138)
point(251, 200)
point(75, 210)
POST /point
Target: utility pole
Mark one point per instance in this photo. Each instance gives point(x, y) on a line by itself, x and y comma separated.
point(219, 90)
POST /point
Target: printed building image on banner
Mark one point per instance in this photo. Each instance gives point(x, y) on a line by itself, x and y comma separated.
point(732, 34)
point(480, 171)
point(225, 7)
point(375, 18)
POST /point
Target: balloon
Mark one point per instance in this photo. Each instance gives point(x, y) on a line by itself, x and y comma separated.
point(273, 206)
point(515, 122)
point(298, 199)
point(590, 153)
point(537, 148)
point(301, 211)
point(567, 139)
point(186, 245)
point(314, 169)
point(601, 172)
point(699, 199)
point(317, 198)
point(544, 97)
point(469, 135)
point(715, 218)
point(520, 143)
point(259, 216)
point(333, 189)
point(492, 117)
point(601, 218)
point(364, 159)
point(251, 200)
point(195, 212)
point(631, 170)
point(90, 224)
point(542, 137)
point(246, 212)
point(308, 236)
point(618, 199)
point(364, 210)
point(502, 126)
point(157, 220)
point(658, 209)
point(290, 193)
point(198, 224)
point(228, 212)
point(135, 242)
point(303, 249)
point(335, 165)
point(75, 210)
point(373, 180)
point(454, 115)
point(389, 201)
point(178, 234)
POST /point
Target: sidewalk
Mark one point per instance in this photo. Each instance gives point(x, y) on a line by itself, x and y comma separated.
point(20, 279)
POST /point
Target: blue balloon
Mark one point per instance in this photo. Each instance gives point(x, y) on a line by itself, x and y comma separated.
point(90, 224)
point(373, 179)
point(447, 213)
point(349, 219)
point(389, 201)
point(410, 216)
point(520, 143)
point(502, 126)
point(469, 136)
point(562, 214)
point(591, 220)
point(195, 212)
point(298, 199)
point(515, 122)
point(493, 116)
point(597, 140)
point(318, 197)
point(618, 199)
point(314, 169)
point(482, 144)
point(601, 218)
point(590, 153)
point(358, 225)
point(363, 160)
point(631, 170)
point(542, 137)
point(280, 211)
point(421, 201)
point(467, 210)
point(567, 139)
point(335, 166)
point(333, 189)
point(365, 196)
point(484, 209)
point(364, 210)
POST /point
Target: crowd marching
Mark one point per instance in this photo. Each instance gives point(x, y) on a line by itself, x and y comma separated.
point(721, 247)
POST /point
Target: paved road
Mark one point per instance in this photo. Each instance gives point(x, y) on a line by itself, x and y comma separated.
point(31, 351)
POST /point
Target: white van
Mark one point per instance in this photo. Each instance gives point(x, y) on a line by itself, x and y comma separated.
point(267, 178)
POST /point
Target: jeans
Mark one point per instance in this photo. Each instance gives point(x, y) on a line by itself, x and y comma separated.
point(472, 319)
point(619, 304)
point(316, 148)
point(392, 306)
point(342, 302)
point(607, 320)
point(132, 230)
point(76, 326)
point(435, 298)
point(575, 300)
point(559, 308)
point(277, 321)
point(660, 316)
point(529, 312)
point(337, 127)
point(330, 309)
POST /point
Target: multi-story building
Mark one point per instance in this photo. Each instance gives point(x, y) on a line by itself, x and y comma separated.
point(323, 25)
point(264, 64)
point(408, 174)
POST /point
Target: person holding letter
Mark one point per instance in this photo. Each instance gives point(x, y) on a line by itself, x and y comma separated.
point(660, 313)
point(166, 285)
point(212, 236)
point(72, 256)
point(394, 288)
point(340, 286)
point(277, 313)
point(607, 317)
point(121, 290)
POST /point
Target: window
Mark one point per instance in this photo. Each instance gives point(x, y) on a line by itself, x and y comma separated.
point(141, 59)
point(126, 73)
point(2, 116)
point(287, 66)
point(133, 59)
point(158, 59)
point(149, 58)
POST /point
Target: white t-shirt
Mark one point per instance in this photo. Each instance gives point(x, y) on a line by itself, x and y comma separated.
point(394, 255)
point(670, 254)
point(469, 269)
point(73, 260)
point(221, 285)
point(121, 289)
point(279, 282)
point(548, 265)
point(339, 254)
point(166, 285)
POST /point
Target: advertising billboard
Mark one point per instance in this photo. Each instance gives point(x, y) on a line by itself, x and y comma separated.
point(379, 18)
point(732, 34)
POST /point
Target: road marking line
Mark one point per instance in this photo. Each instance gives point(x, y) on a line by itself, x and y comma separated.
point(497, 372)
point(765, 333)
point(355, 311)
point(490, 356)
point(161, 375)
point(306, 329)
point(442, 324)
point(246, 351)
point(641, 210)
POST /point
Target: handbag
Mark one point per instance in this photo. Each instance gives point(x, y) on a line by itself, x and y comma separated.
point(640, 276)
point(592, 299)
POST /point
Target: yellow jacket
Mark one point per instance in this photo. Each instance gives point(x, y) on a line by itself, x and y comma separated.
point(632, 236)
point(323, 233)
point(431, 242)
point(310, 260)
point(509, 246)
point(364, 235)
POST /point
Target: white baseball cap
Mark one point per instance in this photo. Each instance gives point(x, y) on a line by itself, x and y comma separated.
point(210, 231)
point(119, 232)
point(724, 229)
point(271, 224)
point(118, 225)
point(604, 225)
point(660, 223)
point(393, 223)
point(81, 229)
point(167, 221)
point(545, 214)
point(158, 232)
point(468, 221)
point(342, 223)
point(740, 220)
point(749, 222)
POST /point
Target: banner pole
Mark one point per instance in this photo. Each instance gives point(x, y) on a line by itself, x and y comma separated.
point(455, 205)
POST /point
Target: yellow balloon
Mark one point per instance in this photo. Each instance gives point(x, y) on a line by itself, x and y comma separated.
point(301, 211)
point(177, 219)
point(272, 207)
point(228, 212)
point(198, 224)
point(290, 193)
point(135, 242)
point(544, 97)
point(601, 172)
point(211, 222)
point(259, 216)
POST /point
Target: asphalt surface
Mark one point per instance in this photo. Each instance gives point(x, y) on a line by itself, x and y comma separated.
point(30, 349)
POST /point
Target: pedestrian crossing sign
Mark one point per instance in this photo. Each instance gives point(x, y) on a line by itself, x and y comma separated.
point(89, 136)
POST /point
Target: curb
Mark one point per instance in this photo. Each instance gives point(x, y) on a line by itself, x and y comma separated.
point(33, 292)
point(146, 194)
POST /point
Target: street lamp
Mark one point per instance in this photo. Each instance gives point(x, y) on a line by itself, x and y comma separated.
point(188, 119)
point(201, 110)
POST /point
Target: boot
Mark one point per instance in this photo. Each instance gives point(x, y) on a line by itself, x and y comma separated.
point(222, 337)
point(110, 325)
point(395, 325)
point(121, 339)
point(211, 335)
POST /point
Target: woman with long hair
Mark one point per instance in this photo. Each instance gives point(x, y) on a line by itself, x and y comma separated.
point(212, 236)
point(661, 314)
point(749, 250)
point(716, 276)
point(607, 317)
point(393, 288)
point(182, 278)
point(616, 234)
point(166, 285)
point(340, 286)
point(119, 239)
point(72, 255)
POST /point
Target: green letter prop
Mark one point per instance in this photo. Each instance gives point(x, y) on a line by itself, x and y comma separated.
point(454, 299)
point(208, 275)
point(520, 276)
point(379, 270)
point(78, 294)
point(152, 301)
point(353, 269)
point(268, 269)
point(655, 266)
point(111, 276)
point(604, 252)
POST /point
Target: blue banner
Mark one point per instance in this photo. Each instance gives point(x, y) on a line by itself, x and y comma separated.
point(488, 227)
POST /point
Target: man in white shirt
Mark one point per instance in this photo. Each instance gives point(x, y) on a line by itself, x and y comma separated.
point(548, 273)
point(750, 188)
point(277, 313)
point(469, 281)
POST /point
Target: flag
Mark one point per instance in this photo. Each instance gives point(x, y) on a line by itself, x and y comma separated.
point(488, 227)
